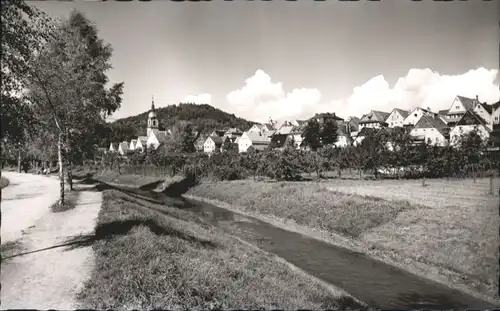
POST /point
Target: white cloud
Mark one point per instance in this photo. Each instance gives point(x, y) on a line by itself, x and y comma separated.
point(420, 87)
point(203, 98)
point(260, 98)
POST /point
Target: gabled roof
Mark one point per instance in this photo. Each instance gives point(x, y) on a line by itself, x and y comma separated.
point(374, 116)
point(133, 141)
point(216, 139)
point(327, 115)
point(430, 122)
point(285, 129)
point(234, 130)
point(161, 136)
point(487, 107)
point(257, 138)
point(114, 146)
point(403, 113)
point(471, 118)
point(267, 127)
point(496, 105)
point(354, 120)
point(219, 133)
point(468, 103)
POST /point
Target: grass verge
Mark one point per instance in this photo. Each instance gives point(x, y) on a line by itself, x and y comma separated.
point(69, 203)
point(4, 182)
point(446, 243)
point(171, 259)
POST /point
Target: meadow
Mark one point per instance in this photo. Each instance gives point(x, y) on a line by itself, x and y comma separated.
point(446, 230)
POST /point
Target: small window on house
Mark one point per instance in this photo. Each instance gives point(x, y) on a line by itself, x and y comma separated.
point(457, 107)
point(414, 114)
point(496, 118)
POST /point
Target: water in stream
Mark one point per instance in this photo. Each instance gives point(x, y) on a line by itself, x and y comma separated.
point(374, 282)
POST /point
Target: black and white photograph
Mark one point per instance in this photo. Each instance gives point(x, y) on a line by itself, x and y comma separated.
point(250, 155)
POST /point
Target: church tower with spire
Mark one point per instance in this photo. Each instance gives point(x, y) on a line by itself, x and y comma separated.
point(152, 119)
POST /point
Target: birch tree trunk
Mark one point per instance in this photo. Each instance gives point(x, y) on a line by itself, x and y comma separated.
point(61, 167)
point(19, 161)
point(69, 164)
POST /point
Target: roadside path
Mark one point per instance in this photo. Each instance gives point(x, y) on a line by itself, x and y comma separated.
point(42, 273)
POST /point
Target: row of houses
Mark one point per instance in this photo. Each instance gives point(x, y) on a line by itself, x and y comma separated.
point(423, 125)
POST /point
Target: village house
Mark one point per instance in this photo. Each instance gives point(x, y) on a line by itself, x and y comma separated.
point(286, 128)
point(468, 123)
point(415, 115)
point(489, 113)
point(322, 118)
point(123, 148)
point(343, 138)
point(255, 128)
point(132, 145)
point(254, 139)
point(141, 143)
point(199, 144)
point(296, 135)
point(212, 144)
point(233, 132)
point(458, 108)
point(374, 119)
point(156, 138)
point(396, 117)
point(495, 113)
point(433, 130)
point(113, 147)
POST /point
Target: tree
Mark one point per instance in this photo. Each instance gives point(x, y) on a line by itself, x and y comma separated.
point(329, 133)
point(24, 31)
point(66, 84)
point(311, 135)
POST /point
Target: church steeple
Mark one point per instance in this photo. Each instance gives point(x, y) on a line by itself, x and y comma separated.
point(152, 118)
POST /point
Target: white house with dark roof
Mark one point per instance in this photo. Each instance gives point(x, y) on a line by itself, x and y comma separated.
point(374, 119)
point(458, 108)
point(212, 144)
point(257, 140)
point(469, 122)
point(156, 138)
point(140, 144)
point(415, 114)
point(433, 130)
point(396, 117)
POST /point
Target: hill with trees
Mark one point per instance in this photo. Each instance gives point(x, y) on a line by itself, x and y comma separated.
point(204, 118)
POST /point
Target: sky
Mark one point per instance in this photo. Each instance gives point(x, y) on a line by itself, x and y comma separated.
point(289, 60)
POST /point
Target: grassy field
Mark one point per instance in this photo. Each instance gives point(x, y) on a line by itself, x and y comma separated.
point(154, 256)
point(447, 230)
point(4, 182)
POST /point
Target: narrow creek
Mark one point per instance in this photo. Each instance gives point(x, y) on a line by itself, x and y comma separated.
point(372, 281)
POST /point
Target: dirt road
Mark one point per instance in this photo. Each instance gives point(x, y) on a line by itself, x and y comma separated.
point(40, 271)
